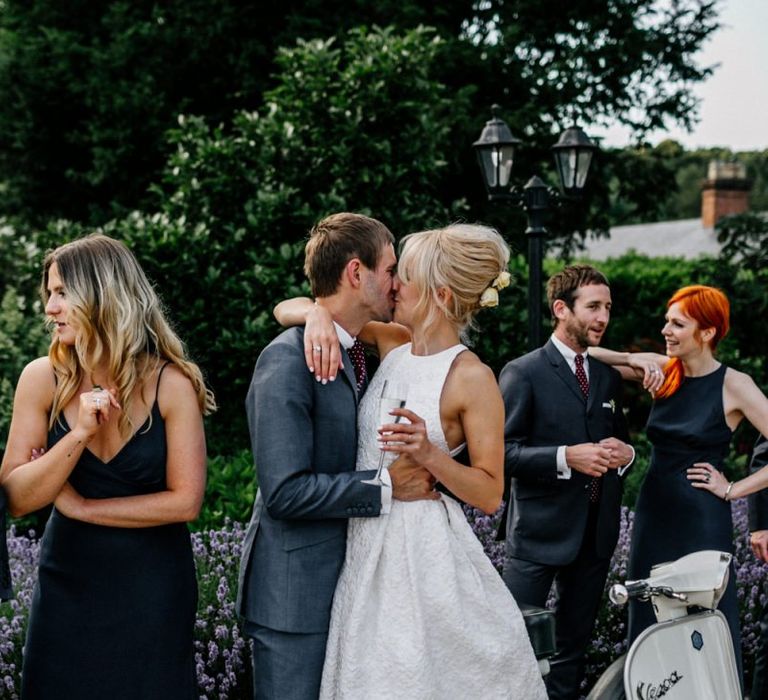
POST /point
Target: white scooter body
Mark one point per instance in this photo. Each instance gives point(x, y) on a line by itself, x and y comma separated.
point(685, 655)
point(692, 654)
point(691, 657)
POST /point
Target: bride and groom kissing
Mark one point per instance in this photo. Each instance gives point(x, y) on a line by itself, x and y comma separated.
point(351, 589)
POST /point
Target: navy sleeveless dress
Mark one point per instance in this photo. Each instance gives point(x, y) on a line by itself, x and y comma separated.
point(6, 591)
point(672, 518)
point(113, 610)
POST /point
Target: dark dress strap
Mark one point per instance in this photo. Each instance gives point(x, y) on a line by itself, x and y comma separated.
point(6, 592)
point(159, 376)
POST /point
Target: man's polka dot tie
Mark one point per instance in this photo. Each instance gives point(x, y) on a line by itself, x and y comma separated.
point(357, 355)
point(581, 378)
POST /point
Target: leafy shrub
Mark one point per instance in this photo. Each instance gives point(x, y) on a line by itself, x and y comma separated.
point(230, 491)
point(236, 201)
point(22, 338)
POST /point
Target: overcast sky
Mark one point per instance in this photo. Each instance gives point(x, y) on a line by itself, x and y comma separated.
point(734, 108)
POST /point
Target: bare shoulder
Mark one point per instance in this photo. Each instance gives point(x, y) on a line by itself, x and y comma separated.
point(470, 370)
point(175, 389)
point(38, 381)
point(740, 391)
point(736, 381)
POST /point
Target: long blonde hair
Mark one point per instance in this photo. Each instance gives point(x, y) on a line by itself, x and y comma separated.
point(464, 258)
point(119, 321)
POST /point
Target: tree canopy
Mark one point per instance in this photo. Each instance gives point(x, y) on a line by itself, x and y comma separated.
point(89, 89)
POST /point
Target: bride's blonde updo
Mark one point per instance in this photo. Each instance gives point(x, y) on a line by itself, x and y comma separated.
point(468, 259)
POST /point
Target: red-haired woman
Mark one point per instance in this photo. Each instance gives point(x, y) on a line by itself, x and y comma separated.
point(683, 502)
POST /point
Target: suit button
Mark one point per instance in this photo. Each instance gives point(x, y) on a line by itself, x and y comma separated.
point(369, 509)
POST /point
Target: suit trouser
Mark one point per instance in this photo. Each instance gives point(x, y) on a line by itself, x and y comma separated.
point(579, 588)
point(286, 665)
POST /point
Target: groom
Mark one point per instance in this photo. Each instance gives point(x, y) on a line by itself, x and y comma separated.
point(304, 441)
point(565, 444)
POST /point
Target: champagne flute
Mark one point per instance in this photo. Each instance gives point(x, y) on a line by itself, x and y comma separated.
point(393, 395)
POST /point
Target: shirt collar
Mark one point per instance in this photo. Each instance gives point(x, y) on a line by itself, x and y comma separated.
point(346, 340)
point(568, 353)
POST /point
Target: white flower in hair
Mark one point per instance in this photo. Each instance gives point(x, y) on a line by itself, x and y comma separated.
point(502, 281)
point(489, 298)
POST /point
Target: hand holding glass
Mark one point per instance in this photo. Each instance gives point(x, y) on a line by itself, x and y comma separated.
point(393, 395)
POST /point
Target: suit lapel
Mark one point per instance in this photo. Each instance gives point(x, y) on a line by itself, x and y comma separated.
point(596, 382)
point(349, 373)
point(563, 370)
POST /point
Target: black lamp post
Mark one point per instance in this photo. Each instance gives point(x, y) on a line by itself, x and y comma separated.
point(495, 153)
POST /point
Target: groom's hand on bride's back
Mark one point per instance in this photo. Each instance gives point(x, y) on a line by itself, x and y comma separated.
point(411, 482)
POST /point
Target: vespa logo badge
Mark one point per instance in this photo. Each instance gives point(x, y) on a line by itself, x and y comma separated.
point(654, 692)
point(697, 640)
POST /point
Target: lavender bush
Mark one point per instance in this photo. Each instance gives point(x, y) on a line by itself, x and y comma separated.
point(222, 655)
point(23, 553)
point(221, 652)
point(609, 639)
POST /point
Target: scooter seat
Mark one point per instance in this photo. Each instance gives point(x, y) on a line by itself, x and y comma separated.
point(540, 624)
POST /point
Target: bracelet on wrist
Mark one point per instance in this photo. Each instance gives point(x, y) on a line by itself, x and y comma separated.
point(728, 491)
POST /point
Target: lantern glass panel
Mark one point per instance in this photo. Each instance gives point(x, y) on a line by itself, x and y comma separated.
point(573, 164)
point(496, 163)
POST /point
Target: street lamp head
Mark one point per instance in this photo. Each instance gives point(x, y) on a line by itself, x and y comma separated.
point(573, 156)
point(495, 153)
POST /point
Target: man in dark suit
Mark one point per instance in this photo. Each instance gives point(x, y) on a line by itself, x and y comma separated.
point(304, 440)
point(758, 528)
point(565, 437)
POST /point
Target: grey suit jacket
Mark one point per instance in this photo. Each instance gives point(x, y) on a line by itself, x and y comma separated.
point(545, 408)
point(304, 441)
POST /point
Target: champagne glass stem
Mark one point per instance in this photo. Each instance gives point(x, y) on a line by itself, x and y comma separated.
point(377, 478)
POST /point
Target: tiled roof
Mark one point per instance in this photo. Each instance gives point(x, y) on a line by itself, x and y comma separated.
point(685, 238)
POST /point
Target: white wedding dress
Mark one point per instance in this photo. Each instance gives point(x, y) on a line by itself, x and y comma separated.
point(419, 611)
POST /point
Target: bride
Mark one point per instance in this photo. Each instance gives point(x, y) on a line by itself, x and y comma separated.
point(419, 611)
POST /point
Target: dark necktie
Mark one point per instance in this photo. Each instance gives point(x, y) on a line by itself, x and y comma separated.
point(581, 375)
point(581, 378)
point(357, 355)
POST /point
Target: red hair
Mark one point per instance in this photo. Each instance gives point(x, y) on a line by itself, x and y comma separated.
point(709, 307)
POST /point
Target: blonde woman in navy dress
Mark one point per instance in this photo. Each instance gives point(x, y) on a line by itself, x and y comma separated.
point(118, 408)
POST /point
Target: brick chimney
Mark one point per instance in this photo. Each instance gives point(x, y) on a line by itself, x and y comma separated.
point(725, 191)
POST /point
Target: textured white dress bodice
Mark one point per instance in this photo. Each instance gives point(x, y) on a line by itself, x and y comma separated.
point(424, 376)
point(419, 611)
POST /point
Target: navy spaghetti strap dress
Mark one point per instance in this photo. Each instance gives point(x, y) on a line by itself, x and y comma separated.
point(114, 608)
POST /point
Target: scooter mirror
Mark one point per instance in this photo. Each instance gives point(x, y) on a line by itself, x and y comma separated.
point(618, 594)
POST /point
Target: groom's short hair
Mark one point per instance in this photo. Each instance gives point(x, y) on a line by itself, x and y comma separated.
point(566, 283)
point(336, 240)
